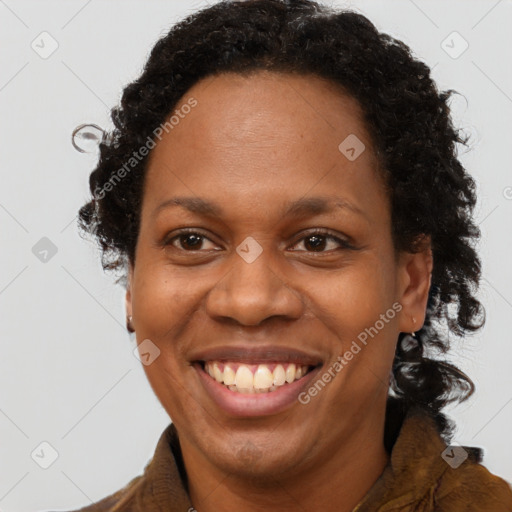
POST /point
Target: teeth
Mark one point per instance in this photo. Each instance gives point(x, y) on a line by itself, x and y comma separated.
point(217, 374)
point(279, 375)
point(240, 378)
point(244, 377)
point(229, 375)
point(290, 373)
point(263, 378)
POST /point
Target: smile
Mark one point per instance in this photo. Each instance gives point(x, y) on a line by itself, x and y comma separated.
point(255, 378)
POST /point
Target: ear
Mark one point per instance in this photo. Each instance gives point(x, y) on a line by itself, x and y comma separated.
point(128, 296)
point(415, 277)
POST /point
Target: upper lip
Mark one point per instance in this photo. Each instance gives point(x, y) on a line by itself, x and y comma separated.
point(255, 355)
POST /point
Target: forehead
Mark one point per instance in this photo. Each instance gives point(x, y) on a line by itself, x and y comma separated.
point(231, 108)
point(260, 136)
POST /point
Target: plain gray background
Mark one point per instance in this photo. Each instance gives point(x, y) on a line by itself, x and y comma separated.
point(68, 376)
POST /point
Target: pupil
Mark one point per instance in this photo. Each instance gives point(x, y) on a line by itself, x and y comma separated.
point(196, 240)
point(320, 241)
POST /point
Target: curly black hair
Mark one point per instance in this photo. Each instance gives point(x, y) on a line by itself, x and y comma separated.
point(409, 121)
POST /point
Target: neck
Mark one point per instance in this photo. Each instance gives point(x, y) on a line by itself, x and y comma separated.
point(336, 483)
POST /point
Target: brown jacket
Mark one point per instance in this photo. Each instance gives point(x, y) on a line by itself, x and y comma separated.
point(417, 479)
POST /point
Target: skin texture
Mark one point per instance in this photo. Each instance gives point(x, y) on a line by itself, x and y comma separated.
point(252, 145)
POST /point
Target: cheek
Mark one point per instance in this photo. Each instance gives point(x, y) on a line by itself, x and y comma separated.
point(358, 310)
point(353, 298)
point(159, 300)
point(161, 306)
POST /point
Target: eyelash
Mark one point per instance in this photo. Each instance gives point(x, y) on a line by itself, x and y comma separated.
point(319, 232)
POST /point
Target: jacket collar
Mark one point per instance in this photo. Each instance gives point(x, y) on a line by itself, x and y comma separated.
point(164, 477)
point(414, 468)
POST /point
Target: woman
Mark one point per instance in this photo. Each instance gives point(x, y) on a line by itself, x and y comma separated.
point(283, 192)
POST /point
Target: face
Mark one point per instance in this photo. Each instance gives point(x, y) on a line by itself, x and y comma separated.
point(286, 264)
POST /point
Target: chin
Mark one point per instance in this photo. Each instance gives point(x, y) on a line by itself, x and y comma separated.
point(247, 457)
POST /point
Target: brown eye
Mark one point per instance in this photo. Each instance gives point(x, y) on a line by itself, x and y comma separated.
point(318, 241)
point(188, 241)
point(191, 240)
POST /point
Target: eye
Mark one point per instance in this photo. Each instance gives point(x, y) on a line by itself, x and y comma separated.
point(316, 241)
point(187, 238)
point(192, 241)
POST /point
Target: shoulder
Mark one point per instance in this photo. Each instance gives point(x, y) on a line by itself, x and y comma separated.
point(458, 478)
point(426, 474)
point(159, 486)
point(473, 486)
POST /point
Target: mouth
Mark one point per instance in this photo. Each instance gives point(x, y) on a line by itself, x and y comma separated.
point(249, 382)
point(255, 378)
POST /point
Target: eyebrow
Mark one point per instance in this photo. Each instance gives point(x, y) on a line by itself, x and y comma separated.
point(298, 208)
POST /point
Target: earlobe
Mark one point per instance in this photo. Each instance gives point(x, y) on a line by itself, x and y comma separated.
point(416, 269)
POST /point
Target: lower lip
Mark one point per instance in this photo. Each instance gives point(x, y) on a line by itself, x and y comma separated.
point(254, 404)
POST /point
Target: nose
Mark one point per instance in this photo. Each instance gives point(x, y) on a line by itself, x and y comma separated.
point(251, 292)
